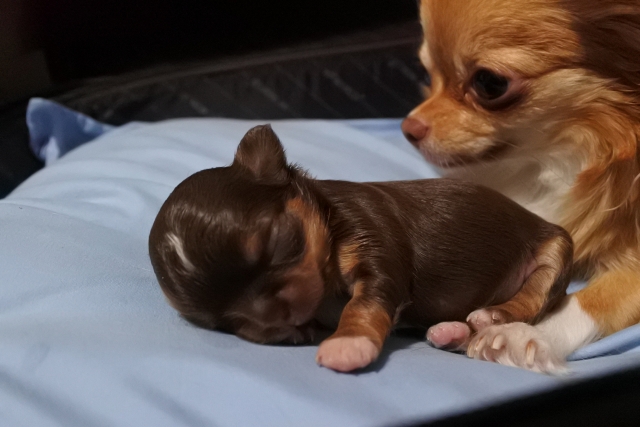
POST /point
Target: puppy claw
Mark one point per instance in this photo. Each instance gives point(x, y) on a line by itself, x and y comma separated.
point(480, 319)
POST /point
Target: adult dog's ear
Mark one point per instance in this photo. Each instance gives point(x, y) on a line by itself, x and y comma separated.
point(260, 152)
point(609, 32)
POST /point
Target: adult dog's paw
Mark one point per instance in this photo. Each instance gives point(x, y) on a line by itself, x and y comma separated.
point(516, 344)
point(345, 354)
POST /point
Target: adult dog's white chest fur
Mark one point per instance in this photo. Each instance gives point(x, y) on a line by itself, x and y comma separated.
point(540, 184)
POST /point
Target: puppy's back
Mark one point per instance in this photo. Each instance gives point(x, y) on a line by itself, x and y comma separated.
point(451, 238)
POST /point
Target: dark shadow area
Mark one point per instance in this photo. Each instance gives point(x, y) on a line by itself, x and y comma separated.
point(364, 74)
point(610, 401)
point(394, 343)
point(144, 60)
point(84, 39)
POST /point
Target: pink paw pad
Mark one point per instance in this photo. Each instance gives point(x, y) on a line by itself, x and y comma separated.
point(345, 354)
point(449, 335)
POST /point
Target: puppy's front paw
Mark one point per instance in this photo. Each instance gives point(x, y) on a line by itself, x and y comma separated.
point(344, 354)
point(516, 344)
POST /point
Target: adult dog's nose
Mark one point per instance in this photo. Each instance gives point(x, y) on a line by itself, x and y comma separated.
point(415, 130)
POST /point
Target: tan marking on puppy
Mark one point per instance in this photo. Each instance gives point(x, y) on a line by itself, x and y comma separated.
point(348, 258)
point(284, 317)
point(315, 228)
point(364, 318)
point(305, 286)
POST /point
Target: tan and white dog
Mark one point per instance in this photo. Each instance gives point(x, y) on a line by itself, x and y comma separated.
point(540, 100)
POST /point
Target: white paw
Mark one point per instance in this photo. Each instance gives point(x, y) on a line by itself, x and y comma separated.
point(344, 354)
point(516, 344)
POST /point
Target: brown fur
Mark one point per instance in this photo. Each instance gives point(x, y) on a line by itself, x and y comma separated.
point(362, 317)
point(532, 300)
point(258, 248)
point(577, 68)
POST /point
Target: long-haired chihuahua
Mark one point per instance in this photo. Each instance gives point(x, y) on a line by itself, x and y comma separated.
point(540, 100)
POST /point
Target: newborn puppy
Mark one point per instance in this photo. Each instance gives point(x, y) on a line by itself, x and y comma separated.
point(260, 249)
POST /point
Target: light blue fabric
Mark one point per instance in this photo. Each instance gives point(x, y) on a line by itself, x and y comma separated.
point(55, 130)
point(87, 339)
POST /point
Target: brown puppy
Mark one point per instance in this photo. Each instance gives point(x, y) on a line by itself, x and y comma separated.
point(260, 249)
point(540, 100)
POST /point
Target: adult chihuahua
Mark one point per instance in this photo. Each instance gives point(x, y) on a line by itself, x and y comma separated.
point(540, 100)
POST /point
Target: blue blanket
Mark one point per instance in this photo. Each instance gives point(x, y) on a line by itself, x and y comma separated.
point(87, 339)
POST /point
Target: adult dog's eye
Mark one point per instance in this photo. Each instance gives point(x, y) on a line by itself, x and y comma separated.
point(489, 86)
point(427, 79)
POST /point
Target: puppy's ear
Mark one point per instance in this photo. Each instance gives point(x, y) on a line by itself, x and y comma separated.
point(261, 153)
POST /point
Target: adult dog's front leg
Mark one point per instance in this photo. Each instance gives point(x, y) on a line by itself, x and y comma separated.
point(610, 303)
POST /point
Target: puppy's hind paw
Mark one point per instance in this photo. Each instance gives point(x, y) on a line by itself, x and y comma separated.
point(486, 317)
point(516, 344)
point(452, 336)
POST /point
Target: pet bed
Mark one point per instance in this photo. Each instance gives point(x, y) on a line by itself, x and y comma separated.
point(87, 339)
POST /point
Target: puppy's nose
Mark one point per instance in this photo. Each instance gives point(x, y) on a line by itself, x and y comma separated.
point(414, 130)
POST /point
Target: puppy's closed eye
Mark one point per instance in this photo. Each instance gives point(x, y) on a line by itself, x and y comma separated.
point(287, 242)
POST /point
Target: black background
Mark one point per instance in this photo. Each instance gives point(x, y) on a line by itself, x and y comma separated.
point(85, 38)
